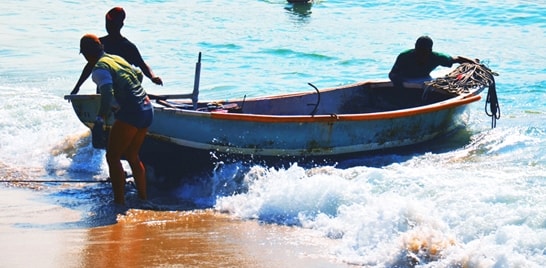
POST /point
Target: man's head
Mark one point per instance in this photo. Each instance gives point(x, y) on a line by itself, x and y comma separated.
point(423, 43)
point(114, 19)
point(90, 46)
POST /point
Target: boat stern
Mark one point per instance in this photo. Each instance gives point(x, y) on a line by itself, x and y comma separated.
point(86, 108)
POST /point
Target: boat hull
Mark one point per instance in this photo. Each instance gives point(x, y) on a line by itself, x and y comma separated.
point(327, 131)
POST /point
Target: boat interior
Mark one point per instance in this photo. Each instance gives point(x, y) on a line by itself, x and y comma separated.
point(360, 98)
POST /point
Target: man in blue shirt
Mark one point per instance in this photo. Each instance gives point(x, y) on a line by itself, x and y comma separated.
point(415, 65)
point(116, 44)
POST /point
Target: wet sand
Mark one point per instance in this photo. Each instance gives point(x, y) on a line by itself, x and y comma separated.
point(35, 234)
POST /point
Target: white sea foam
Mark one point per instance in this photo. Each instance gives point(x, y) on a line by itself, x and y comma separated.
point(430, 209)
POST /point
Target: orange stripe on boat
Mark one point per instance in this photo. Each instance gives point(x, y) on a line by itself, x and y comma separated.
point(346, 117)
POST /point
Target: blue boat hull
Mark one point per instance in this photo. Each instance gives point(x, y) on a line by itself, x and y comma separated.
point(356, 118)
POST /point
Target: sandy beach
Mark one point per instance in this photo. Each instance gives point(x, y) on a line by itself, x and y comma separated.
point(36, 234)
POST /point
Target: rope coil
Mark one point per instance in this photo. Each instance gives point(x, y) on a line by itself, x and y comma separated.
point(467, 77)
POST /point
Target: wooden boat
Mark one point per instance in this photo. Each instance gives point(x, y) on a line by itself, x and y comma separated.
point(355, 118)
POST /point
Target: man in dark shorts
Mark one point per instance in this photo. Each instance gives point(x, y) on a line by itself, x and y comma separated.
point(121, 92)
point(415, 65)
point(116, 44)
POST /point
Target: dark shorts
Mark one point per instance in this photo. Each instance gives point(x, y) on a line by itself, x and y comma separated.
point(141, 118)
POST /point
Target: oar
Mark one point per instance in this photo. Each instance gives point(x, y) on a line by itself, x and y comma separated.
point(170, 96)
point(196, 82)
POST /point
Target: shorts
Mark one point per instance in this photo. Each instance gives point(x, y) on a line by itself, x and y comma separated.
point(141, 118)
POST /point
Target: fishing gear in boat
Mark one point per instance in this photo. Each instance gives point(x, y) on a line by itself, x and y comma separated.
point(465, 78)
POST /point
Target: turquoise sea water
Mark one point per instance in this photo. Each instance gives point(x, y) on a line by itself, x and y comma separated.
point(480, 202)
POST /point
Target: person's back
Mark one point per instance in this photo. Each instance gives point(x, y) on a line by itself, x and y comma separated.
point(121, 46)
point(115, 43)
point(411, 64)
point(123, 95)
point(415, 65)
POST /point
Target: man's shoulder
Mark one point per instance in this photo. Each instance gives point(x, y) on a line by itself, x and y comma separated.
point(441, 54)
point(116, 41)
point(406, 55)
point(442, 58)
point(406, 52)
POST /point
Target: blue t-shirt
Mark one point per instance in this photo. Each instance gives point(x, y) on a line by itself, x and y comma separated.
point(121, 46)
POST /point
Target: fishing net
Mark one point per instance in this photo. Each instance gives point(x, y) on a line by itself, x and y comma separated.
point(466, 77)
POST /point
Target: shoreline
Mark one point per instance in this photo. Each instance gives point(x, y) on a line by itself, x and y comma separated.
point(147, 238)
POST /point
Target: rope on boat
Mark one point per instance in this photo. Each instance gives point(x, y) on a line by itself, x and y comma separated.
point(494, 108)
point(463, 79)
point(107, 180)
point(56, 181)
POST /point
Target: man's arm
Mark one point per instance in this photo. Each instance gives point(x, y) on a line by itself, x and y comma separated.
point(150, 74)
point(394, 74)
point(137, 60)
point(106, 97)
point(86, 72)
point(104, 81)
point(461, 59)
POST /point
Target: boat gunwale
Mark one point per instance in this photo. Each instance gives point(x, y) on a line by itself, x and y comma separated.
point(448, 104)
point(264, 118)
